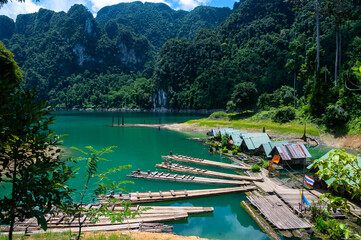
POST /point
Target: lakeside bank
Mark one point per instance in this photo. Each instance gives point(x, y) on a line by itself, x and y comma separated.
point(287, 131)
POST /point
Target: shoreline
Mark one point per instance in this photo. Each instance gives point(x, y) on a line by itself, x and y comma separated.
point(160, 110)
point(347, 141)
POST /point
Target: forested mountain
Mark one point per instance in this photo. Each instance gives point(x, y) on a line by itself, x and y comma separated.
point(75, 60)
point(251, 45)
point(158, 22)
point(147, 55)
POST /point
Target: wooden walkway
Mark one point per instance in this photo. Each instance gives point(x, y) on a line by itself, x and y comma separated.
point(277, 212)
point(161, 196)
point(293, 197)
point(184, 178)
point(181, 158)
point(267, 185)
point(204, 172)
point(60, 222)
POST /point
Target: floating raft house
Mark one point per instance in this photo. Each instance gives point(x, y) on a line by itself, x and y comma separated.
point(290, 154)
point(266, 148)
point(252, 141)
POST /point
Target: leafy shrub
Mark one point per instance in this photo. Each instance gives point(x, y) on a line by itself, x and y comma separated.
point(280, 97)
point(332, 227)
point(264, 115)
point(286, 96)
point(285, 114)
point(224, 150)
point(265, 164)
point(255, 168)
point(225, 141)
point(234, 152)
point(354, 126)
point(334, 116)
point(218, 115)
point(261, 161)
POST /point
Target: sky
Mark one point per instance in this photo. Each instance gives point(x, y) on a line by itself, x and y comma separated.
point(13, 7)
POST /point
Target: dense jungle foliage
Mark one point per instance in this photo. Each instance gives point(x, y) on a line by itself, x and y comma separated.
point(260, 55)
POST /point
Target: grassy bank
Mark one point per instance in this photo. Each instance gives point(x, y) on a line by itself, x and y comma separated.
point(291, 128)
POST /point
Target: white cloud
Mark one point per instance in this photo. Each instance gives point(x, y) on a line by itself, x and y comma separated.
point(191, 4)
point(13, 8)
point(97, 4)
point(61, 5)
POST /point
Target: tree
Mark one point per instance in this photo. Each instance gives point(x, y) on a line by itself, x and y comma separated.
point(93, 157)
point(302, 3)
point(344, 170)
point(29, 156)
point(244, 96)
point(293, 64)
point(341, 11)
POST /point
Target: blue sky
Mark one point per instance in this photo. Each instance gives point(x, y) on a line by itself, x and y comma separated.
point(13, 8)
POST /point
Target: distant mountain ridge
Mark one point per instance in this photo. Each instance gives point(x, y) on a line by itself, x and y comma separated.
point(123, 39)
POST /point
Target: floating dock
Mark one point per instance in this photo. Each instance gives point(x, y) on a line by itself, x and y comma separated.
point(181, 158)
point(184, 178)
point(204, 172)
point(58, 222)
point(278, 213)
point(161, 196)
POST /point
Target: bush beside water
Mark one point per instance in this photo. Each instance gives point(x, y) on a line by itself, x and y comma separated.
point(218, 116)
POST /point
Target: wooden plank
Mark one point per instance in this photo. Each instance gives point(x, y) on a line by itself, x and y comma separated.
point(180, 168)
point(260, 221)
point(179, 194)
point(278, 212)
point(60, 219)
point(188, 178)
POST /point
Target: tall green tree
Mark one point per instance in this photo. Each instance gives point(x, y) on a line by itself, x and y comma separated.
point(29, 154)
point(303, 3)
point(244, 96)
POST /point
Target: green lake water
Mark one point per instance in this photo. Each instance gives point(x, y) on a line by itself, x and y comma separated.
point(142, 148)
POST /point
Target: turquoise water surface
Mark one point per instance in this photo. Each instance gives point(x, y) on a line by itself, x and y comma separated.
point(143, 148)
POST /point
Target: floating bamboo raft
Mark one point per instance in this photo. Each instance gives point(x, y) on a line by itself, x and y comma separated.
point(277, 212)
point(198, 171)
point(161, 196)
point(242, 163)
point(293, 197)
point(181, 158)
point(59, 222)
point(134, 227)
point(184, 178)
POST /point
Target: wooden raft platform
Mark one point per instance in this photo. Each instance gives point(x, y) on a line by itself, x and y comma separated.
point(277, 212)
point(181, 158)
point(134, 227)
point(156, 214)
point(293, 197)
point(184, 178)
point(198, 171)
point(161, 196)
